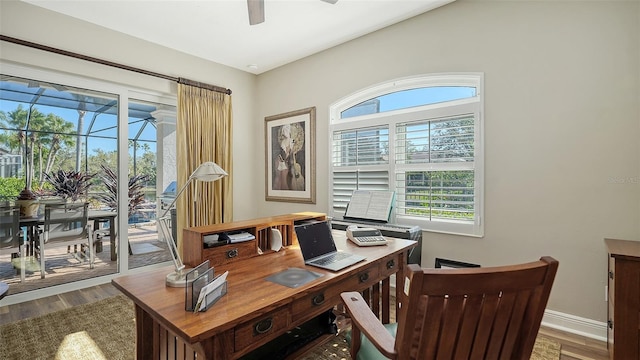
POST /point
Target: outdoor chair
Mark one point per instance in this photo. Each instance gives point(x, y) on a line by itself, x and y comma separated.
point(11, 236)
point(66, 225)
point(463, 313)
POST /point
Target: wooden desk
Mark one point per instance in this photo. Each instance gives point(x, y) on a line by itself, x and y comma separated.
point(164, 330)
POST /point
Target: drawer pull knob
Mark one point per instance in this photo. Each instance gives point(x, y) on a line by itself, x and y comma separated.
point(232, 253)
point(318, 299)
point(364, 277)
point(263, 326)
point(391, 264)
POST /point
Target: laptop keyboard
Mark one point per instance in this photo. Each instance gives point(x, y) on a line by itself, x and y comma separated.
point(331, 258)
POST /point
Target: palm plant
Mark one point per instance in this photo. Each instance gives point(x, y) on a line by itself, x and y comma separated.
point(136, 190)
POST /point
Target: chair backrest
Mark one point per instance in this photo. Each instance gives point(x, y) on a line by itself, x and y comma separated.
point(474, 313)
point(65, 222)
point(9, 227)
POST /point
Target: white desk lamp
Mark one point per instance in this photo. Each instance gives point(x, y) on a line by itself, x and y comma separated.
point(208, 171)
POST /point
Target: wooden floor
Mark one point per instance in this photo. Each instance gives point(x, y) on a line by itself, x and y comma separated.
point(573, 346)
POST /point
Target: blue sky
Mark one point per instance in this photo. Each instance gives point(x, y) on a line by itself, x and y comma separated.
point(104, 127)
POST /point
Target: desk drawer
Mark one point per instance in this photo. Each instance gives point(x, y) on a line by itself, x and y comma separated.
point(263, 327)
point(389, 266)
point(317, 302)
point(229, 253)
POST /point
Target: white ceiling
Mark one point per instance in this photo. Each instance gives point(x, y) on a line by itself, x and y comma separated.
point(219, 30)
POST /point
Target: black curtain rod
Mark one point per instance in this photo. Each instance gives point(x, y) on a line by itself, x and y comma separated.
point(112, 64)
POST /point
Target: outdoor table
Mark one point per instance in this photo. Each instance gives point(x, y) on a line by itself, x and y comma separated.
point(97, 216)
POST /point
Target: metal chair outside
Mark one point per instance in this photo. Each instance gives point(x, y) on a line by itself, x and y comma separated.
point(10, 235)
point(66, 225)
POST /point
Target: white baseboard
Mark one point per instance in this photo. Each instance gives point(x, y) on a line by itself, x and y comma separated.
point(576, 325)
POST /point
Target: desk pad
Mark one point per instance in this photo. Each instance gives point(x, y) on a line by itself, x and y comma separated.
point(294, 277)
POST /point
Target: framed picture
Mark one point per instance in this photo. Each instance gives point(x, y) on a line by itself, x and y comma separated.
point(290, 169)
point(453, 264)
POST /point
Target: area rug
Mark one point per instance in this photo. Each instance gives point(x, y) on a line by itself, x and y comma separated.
point(105, 330)
point(338, 349)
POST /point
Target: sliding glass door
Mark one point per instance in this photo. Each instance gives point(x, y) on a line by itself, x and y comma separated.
point(65, 143)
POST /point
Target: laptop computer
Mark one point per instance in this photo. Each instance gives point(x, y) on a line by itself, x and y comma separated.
point(319, 249)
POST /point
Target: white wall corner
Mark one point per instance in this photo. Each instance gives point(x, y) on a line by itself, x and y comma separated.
point(576, 325)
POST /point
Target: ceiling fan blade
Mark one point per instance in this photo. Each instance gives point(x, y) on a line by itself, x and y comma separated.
point(256, 11)
point(330, 1)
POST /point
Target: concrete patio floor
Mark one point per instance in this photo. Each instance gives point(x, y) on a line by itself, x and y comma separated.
point(63, 267)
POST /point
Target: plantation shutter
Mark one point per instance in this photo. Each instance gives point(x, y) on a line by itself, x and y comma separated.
point(444, 189)
point(346, 181)
point(352, 149)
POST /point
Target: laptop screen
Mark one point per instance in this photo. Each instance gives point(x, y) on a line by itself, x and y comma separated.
point(315, 239)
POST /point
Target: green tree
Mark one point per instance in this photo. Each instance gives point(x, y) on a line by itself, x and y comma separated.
point(14, 122)
point(37, 137)
point(146, 165)
point(58, 136)
point(10, 188)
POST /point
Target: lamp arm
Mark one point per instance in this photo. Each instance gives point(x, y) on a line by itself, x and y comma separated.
point(176, 197)
point(166, 233)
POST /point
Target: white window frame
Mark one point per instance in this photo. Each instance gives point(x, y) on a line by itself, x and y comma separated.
point(473, 106)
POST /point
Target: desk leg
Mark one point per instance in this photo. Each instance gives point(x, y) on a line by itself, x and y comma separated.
point(386, 303)
point(375, 305)
point(144, 335)
point(154, 341)
point(403, 261)
point(213, 348)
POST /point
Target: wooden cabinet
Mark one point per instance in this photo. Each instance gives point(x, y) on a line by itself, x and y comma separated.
point(195, 252)
point(623, 331)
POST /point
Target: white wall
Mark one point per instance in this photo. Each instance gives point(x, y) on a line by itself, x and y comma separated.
point(562, 123)
point(31, 23)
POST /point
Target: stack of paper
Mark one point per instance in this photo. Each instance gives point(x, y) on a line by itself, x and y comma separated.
point(213, 291)
point(240, 237)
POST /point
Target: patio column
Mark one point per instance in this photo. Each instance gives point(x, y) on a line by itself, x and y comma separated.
point(166, 154)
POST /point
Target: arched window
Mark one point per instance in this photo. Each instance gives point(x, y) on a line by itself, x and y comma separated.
point(420, 137)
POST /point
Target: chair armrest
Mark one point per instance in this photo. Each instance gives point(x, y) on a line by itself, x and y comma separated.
point(363, 319)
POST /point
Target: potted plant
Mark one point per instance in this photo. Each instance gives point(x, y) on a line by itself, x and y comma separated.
point(136, 190)
point(28, 202)
point(70, 185)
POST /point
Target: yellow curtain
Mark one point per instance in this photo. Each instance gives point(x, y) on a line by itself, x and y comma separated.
point(204, 133)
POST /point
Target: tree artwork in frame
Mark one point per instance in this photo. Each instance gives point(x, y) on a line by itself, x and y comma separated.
point(290, 156)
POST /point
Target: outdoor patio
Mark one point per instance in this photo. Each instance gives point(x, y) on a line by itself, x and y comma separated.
point(62, 267)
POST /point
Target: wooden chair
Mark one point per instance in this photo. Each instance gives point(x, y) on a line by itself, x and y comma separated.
point(10, 235)
point(465, 313)
point(66, 225)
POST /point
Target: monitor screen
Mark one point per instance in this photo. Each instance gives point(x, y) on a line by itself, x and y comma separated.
point(315, 239)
